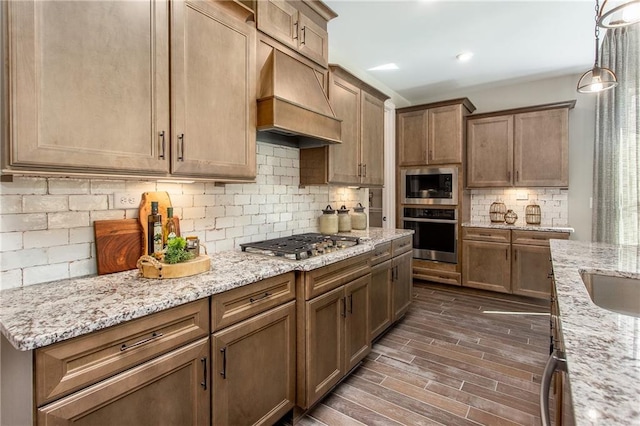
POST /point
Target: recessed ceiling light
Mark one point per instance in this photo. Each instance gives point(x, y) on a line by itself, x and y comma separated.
point(464, 56)
point(385, 67)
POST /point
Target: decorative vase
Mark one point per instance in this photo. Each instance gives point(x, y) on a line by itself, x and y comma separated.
point(533, 214)
point(510, 217)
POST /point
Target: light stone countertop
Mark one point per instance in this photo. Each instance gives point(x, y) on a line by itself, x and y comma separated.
point(39, 315)
point(519, 226)
point(602, 347)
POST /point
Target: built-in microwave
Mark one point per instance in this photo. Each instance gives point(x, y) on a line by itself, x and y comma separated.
point(429, 185)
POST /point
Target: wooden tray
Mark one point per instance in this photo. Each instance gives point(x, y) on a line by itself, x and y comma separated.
point(151, 268)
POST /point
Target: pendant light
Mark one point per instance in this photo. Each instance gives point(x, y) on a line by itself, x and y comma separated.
point(597, 79)
point(627, 13)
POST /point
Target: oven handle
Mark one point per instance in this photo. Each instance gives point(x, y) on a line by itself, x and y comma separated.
point(411, 219)
point(555, 362)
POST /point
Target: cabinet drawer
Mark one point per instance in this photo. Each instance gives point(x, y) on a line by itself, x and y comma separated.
point(538, 238)
point(241, 303)
point(381, 253)
point(401, 245)
point(67, 366)
point(321, 280)
point(486, 234)
point(438, 276)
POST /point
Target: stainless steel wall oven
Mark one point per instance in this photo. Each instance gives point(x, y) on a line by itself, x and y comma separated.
point(431, 185)
point(436, 233)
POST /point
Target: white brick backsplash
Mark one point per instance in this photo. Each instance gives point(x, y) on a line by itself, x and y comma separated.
point(107, 187)
point(215, 235)
point(224, 222)
point(553, 204)
point(10, 241)
point(22, 222)
point(194, 212)
point(10, 279)
point(81, 235)
point(233, 211)
point(23, 258)
point(23, 186)
point(38, 274)
point(266, 189)
point(258, 219)
point(226, 244)
point(72, 219)
point(48, 238)
point(251, 209)
point(233, 188)
point(83, 267)
point(242, 221)
point(10, 204)
point(45, 203)
point(279, 208)
point(266, 208)
point(140, 187)
point(88, 202)
point(170, 187)
point(195, 188)
point(69, 253)
point(204, 223)
point(213, 188)
point(280, 226)
point(101, 215)
point(183, 200)
point(265, 149)
point(234, 232)
point(204, 200)
point(215, 211)
point(69, 186)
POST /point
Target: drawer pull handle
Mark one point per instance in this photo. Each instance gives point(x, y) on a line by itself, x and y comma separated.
point(155, 335)
point(344, 307)
point(485, 235)
point(351, 303)
point(204, 374)
point(223, 373)
point(162, 147)
point(264, 296)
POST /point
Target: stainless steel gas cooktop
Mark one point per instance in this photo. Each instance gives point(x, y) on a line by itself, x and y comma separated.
point(301, 246)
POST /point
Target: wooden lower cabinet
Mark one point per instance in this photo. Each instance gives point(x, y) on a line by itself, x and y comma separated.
point(254, 368)
point(171, 389)
point(402, 284)
point(486, 265)
point(530, 270)
point(356, 318)
point(380, 295)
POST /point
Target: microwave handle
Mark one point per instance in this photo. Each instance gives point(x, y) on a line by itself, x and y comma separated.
point(412, 219)
point(555, 362)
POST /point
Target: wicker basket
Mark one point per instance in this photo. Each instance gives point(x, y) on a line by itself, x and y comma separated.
point(149, 267)
point(533, 214)
point(497, 211)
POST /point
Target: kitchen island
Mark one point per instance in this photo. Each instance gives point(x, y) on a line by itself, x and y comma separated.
point(602, 347)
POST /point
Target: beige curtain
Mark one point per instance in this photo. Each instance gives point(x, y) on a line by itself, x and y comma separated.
point(617, 146)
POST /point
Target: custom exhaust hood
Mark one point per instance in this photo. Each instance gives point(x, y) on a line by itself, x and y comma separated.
point(293, 108)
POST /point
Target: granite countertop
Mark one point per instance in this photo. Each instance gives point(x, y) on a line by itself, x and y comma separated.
point(519, 226)
point(42, 314)
point(602, 347)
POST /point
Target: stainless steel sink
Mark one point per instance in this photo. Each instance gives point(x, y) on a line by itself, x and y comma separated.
point(617, 294)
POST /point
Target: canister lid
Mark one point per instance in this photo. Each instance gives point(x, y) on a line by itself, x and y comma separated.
point(328, 210)
point(343, 210)
point(359, 208)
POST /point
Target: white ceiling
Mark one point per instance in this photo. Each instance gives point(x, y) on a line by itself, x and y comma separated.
point(511, 40)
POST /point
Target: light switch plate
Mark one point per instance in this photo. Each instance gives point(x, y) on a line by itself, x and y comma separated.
point(126, 200)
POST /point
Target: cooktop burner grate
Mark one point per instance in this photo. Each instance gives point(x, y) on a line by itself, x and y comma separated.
point(301, 246)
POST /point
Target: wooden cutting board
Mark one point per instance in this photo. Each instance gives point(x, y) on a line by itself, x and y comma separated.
point(162, 197)
point(118, 245)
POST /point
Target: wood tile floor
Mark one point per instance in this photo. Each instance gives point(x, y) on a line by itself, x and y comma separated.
point(448, 362)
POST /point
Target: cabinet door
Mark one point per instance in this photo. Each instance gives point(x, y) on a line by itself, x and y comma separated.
point(412, 138)
point(380, 313)
point(372, 140)
point(490, 152)
point(541, 156)
point(89, 85)
point(254, 368)
point(357, 334)
point(172, 389)
point(279, 19)
point(486, 265)
point(402, 284)
point(313, 40)
point(530, 271)
point(344, 158)
point(213, 87)
point(445, 135)
point(325, 343)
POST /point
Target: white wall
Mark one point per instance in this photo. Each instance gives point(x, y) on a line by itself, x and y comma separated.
point(46, 224)
point(581, 132)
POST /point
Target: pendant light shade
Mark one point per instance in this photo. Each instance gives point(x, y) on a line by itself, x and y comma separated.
point(597, 79)
point(621, 15)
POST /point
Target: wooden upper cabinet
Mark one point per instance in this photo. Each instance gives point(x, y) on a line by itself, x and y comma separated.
point(524, 147)
point(432, 134)
point(359, 159)
point(299, 25)
point(92, 95)
point(490, 151)
point(541, 150)
point(214, 89)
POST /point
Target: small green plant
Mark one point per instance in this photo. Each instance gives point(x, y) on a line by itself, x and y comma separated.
point(176, 252)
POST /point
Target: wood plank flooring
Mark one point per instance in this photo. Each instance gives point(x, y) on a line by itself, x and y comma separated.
point(448, 362)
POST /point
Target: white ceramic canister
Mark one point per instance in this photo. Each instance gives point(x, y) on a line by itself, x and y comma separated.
point(359, 217)
point(344, 220)
point(328, 221)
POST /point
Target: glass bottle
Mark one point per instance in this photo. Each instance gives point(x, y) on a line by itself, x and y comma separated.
point(154, 230)
point(328, 221)
point(359, 217)
point(170, 230)
point(344, 220)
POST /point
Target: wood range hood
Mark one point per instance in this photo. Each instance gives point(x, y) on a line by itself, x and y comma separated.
point(292, 104)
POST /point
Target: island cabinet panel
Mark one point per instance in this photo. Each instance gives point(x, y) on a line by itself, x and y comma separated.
point(102, 104)
point(171, 389)
point(381, 296)
point(254, 368)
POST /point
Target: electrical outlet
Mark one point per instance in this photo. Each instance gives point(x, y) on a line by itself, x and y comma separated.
point(522, 195)
point(126, 200)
